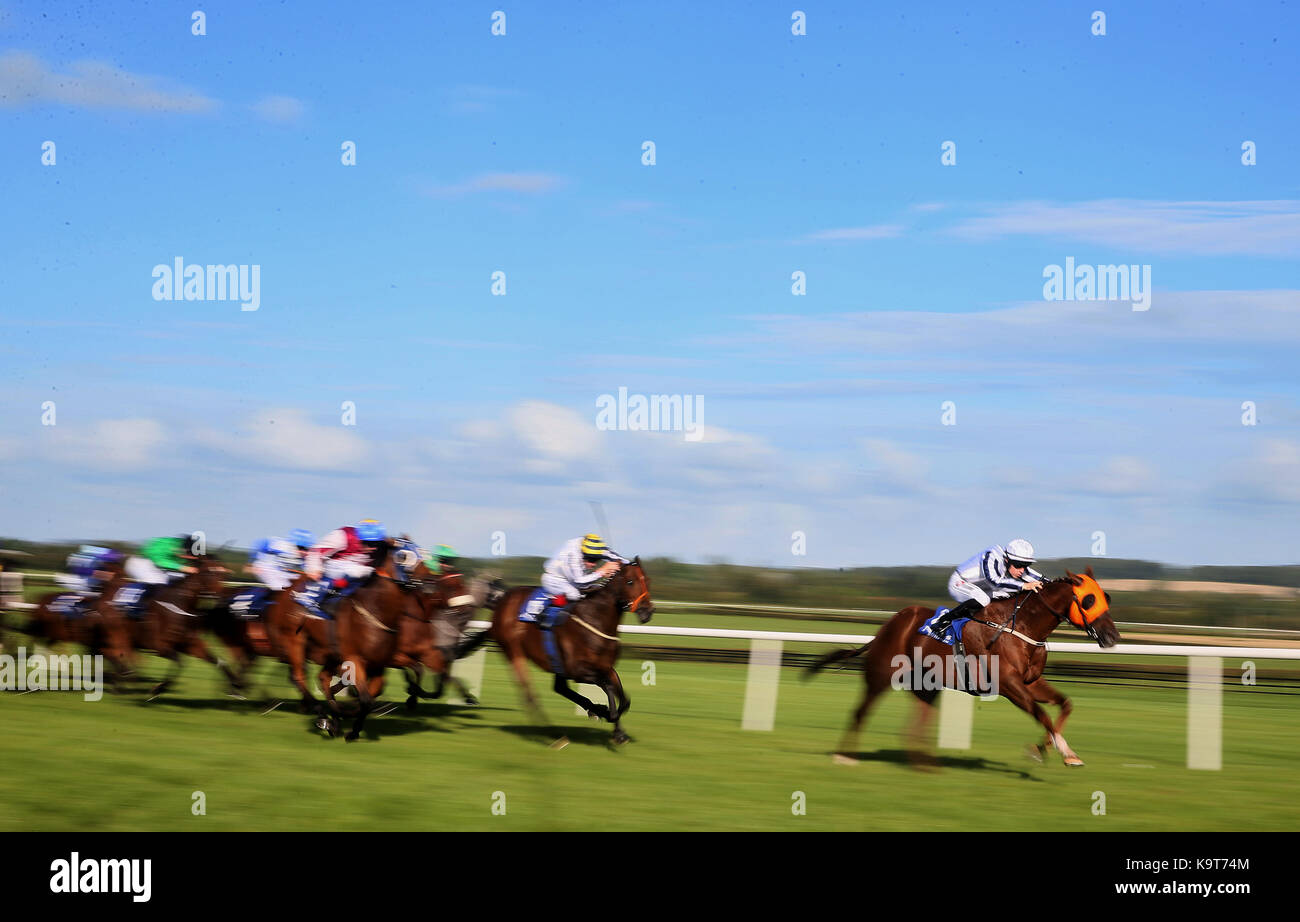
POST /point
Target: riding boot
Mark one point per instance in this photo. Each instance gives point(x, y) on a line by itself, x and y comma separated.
point(961, 675)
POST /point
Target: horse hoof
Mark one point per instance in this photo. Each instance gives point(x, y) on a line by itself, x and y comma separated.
point(1035, 753)
point(560, 743)
point(620, 738)
point(841, 759)
point(1074, 761)
point(411, 703)
point(471, 701)
point(352, 737)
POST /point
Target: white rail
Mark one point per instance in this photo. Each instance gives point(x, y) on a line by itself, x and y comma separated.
point(1127, 649)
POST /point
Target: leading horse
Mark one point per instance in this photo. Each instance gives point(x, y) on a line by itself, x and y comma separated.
point(1009, 638)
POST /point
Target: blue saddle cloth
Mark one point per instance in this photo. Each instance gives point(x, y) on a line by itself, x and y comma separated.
point(949, 636)
point(69, 605)
point(130, 598)
point(539, 610)
point(249, 603)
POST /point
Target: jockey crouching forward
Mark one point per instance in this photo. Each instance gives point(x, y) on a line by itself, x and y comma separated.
point(87, 568)
point(995, 573)
point(338, 564)
point(161, 561)
point(276, 562)
point(578, 567)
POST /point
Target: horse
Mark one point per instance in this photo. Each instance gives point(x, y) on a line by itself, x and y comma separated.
point(1018, 653)
point(99, 630)
point(429, 636)
point(359, 643)
point(587, 642)
point(172, 623)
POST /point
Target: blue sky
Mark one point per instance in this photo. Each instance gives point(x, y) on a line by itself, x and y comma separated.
point(775, 153)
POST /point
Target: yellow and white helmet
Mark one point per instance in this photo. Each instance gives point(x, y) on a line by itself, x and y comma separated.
point(594, 547)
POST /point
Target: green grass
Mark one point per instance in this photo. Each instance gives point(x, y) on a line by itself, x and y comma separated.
point(120, 764)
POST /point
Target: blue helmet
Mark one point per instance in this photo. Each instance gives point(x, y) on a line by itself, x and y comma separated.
point(370, 530)
point(301, 537)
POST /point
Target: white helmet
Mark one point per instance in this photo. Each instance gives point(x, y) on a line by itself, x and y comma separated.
point(1020, 551)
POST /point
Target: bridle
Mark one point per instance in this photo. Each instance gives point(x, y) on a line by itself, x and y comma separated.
point(1065, 615)
point(1009, 625)
point(644, 595)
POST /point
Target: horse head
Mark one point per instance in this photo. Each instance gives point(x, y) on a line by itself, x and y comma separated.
point(634, 590)
point(210, 577)
point(1089, 608)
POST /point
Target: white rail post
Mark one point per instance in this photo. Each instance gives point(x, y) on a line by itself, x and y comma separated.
point(761, 684)
point(956, 715)
point(1205, 712)
point(470, 671)
point(594, 692)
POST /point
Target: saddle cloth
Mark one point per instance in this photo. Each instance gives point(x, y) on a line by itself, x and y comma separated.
point(947, 637)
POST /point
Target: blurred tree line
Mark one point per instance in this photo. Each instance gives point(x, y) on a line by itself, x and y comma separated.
point(887, 588)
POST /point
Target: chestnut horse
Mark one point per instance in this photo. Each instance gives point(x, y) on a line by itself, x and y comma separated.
point(428, 637)
point(587, 642)
point(1009, 636)
point(101, 630)
point(173, 621)
point(360, 641)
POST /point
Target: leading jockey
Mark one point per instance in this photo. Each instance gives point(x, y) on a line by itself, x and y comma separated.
point(338, 564)
point(577, 568)
point(994, 573)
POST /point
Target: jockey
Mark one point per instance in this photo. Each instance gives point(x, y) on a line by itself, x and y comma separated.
point(87, 567)
point(341, 560)
point(994, 573)
point(577, 567)
point(443, 560)
point(277, 561)
point(162, 560)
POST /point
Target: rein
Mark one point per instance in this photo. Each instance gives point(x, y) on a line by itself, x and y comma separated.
point(592, 629)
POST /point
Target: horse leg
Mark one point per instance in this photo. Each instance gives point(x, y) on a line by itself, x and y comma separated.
point(296, 653)
point(619, 702)
point(195, 646)
point(367, 691)
point(445, 675)
point(330, 711)
point(918, 742)
point(562, 688)
point(173, 673)
point(1045, 693)
point(1019, 694)
point(519, 663)
point(849, 741)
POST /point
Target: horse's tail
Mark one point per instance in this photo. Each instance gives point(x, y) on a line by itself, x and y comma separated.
point(834, 656)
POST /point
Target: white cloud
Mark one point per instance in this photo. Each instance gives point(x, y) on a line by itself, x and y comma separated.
point(555, 432)
point(523, 183)
point(26, 80)
point(117, 444)
point(287, 438)
point(281, 110)
point(1122, 475)
point(1270, 228)
point(869, 232)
